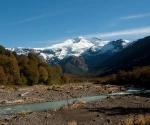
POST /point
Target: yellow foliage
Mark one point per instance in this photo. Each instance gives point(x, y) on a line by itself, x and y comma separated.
point(139, 120)
point(72, 123)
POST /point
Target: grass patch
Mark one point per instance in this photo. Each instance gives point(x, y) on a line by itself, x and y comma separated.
point(24, 113)
point(1, 123)
point(139, 120)
point(72, 123)
point(77, 104)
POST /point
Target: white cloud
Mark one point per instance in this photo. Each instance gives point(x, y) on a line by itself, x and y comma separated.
point(64, 11)
point(32, 18)
point(128, 32)
point(136, 16)
point(119, 20)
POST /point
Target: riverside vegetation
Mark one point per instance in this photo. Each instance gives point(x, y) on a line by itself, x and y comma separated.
point(140, 76)
point(30, 70)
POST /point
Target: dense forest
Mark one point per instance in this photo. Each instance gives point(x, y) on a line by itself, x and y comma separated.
point(139, 76)
point(28, 70)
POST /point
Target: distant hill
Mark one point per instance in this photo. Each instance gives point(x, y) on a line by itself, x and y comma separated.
point(135, 55)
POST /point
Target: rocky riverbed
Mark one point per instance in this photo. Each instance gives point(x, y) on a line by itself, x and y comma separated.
point(113, 110)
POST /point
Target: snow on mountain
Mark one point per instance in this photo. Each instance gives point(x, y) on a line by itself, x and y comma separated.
point(107, 46)
point(21, 50)
point(70, 47)
point(115, 46)
point(78, 46)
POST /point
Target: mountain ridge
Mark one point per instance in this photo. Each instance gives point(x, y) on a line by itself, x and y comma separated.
point(135, 55)
point(80, 47)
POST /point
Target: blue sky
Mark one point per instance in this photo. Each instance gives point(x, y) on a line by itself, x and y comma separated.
point(40, 23)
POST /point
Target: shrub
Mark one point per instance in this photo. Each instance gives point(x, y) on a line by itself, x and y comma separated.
point(139, 120)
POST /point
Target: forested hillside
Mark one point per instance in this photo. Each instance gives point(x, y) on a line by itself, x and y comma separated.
point(28, 70)
point(135, 55)
point(140, 76)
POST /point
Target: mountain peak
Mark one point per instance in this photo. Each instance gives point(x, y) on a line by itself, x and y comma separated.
point(96, 40)
point(120, 43)
point(79, 39)
point(75, 47)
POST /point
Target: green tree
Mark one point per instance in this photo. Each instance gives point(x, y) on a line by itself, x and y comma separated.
point(31, 73)
point(2, 50)
point(14, 71)
point(43, 74)
point(23, 79)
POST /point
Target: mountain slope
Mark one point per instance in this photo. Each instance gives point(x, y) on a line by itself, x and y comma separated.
point(137, 54)
point(74, 65)
point(92, 52)
point(102, 51)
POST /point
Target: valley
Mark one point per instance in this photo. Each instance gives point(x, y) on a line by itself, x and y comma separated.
point(113, 110)
point(78, 53)
point(74, 62)
point(84, 70)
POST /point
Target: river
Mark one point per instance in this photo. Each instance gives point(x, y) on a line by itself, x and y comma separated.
point(11, 109)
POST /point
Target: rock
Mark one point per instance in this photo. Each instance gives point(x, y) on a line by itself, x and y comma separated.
point(7, 119)
point(77, 104)
point(4, 123)
point(26, 98)
point(2, 87)
point(18, 101)
point(137, 97)
point(54, 110)
point(12, 102)
point(109, 120)
point(3, 101)
point(94, 119)
point(48, 115)
point(111, 97)
point(23, 94)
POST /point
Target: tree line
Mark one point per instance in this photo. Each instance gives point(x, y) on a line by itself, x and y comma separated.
point(28, 70)
point(139, 76)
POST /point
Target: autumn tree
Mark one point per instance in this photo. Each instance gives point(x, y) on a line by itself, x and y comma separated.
point(28, 70)
point(66, 78)
point(3, 78)
point(14, 71)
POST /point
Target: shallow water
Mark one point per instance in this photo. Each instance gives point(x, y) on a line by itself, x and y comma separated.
point(57, 104)
point(45, 105)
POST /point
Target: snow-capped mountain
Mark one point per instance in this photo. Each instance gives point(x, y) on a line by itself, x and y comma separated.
point(75, 47)
point(70, 47)
point(79, 47)
point(108, 46)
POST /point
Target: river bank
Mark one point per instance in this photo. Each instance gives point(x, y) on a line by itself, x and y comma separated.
point(113, 110)
point(42, 93)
